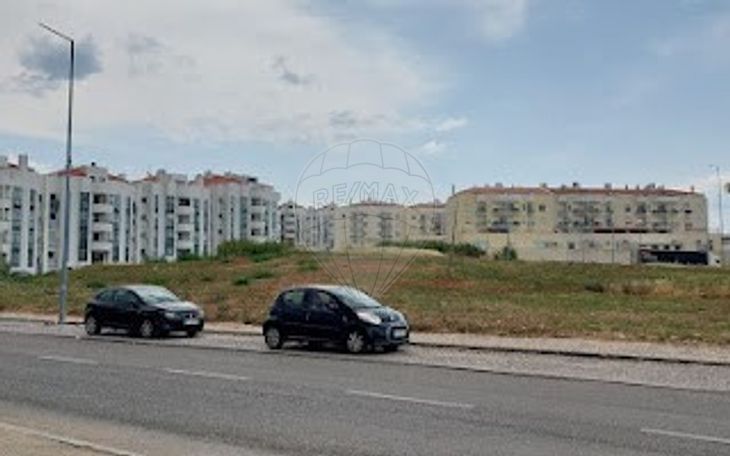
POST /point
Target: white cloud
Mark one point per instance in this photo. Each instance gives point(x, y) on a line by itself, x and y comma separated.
point(495, 20)
point(709, 41)
point(501, 19)
point(709, 185)
point(451, 123)
point(217, 70)
point(433, 147)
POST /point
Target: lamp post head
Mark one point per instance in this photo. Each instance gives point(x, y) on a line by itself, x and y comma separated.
point(56, 32)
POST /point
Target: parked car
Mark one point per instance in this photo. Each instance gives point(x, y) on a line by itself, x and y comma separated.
point(339, 314)
point(145, 310)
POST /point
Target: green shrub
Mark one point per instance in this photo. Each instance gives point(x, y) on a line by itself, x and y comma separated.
point(190, 257)
point(261, 257)
point(507, 253)
point(308, 265)
point(95, 284)
point(241, 281)
point(595, 287)
point(461, 248)
point(256, 251)
point(159, 281)
point(4, 268)
point(262, 274)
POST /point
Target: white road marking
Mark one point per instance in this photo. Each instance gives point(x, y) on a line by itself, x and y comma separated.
point(409, 399)
point(68, 359)
point(205, 374)
point(81, 444)
point(685, 435)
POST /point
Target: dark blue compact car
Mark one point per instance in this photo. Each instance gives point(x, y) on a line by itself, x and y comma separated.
point(339, 314)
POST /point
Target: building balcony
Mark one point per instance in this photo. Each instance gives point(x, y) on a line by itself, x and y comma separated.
point(185, 244)
point(102, 208)
point(185, 210)
point(102, 227)
point(101, 246)
point(185, 227)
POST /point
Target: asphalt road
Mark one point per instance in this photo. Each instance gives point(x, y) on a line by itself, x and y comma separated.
point(138, 397)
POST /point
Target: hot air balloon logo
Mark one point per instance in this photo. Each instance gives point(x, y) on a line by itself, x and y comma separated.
point(362, 207)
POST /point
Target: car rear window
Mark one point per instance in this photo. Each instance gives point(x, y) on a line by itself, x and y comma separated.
point(293, 297)
point(105, 296)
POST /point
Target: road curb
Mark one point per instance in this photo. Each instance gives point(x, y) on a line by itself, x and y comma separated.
point(577, 354)
point(529, 351)
point(464, 347)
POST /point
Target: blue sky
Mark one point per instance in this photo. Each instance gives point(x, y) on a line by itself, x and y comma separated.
point(481, 91)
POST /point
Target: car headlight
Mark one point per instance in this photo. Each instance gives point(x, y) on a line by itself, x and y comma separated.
point(171, 315)
point(368, 317)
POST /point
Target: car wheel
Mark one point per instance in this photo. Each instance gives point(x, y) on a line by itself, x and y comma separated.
point(273, 338)
point(147, 329)
point(92, 325)
point(355, 342)
point(192, 332)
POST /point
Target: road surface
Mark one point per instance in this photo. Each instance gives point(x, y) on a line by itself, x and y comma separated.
point(159, 399)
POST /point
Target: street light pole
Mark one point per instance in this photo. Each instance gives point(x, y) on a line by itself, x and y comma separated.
point(719, 199)
point(63, 292)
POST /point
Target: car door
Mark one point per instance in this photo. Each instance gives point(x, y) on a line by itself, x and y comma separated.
point(293, 319)
point(102, 306)
point(325, 316)
point(124, 309)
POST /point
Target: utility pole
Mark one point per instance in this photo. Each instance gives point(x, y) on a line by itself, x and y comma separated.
point(719, 199)
point(453, 229)
point(63, 292)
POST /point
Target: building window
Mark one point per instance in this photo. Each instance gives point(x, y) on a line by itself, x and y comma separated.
point(16, 223)
point(84, 209)
point(31, 229)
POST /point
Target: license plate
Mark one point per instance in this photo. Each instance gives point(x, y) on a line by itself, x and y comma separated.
point(191, 322)
point(399, 333)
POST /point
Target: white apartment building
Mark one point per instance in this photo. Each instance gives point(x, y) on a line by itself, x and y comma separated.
point(112, 220)
point(361, 225)
point(572, 223)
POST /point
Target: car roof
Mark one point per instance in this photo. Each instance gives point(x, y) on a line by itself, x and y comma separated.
point(318, 286)
point(134, 287)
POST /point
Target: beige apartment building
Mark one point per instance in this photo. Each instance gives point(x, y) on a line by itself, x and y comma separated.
point(371, 223)
point(577, 224)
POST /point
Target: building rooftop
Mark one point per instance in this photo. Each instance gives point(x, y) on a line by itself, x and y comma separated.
point(649, 190)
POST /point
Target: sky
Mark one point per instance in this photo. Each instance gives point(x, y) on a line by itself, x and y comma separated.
point(480, 91)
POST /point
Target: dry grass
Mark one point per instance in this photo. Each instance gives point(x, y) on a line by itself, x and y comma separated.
point(465, 295)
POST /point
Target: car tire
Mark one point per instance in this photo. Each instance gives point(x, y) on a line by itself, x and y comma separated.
point(91, 325)
point(355, 341)
point(147, 329)
point(191, 333)
point(273, 337)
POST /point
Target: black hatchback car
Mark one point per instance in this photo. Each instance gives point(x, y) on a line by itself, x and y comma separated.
point(145, 310)
point(339, 314)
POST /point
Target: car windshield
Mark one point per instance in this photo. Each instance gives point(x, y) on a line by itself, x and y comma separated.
point(356, 299)
point(155, 295)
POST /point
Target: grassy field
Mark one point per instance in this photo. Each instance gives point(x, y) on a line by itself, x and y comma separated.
point(463, 295)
